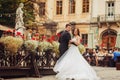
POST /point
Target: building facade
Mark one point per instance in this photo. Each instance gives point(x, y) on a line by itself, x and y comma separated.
point(105, 15)
point(101, 17)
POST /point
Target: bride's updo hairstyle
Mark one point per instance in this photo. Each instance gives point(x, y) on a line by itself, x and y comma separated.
point(78, 32)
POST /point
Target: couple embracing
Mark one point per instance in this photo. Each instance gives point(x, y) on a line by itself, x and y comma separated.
point(71, 65)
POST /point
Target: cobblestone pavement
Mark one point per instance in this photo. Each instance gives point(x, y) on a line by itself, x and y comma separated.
point(105, 73)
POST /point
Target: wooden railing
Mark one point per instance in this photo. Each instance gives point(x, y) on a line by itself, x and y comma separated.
point(27, 63)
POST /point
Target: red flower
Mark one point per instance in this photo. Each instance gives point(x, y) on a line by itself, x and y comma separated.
point(102, 45)
point(49, 40)
point(9, 31)
point(80, 40)
point(22, 36)
point(52, 37)
point(33, 38)
point(58, 34)
point(14, 30)
point(37, 34)
point(43, 37)
point(18, 33)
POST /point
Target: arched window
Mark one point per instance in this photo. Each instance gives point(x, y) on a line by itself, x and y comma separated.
point(71, 6)
point(85, 7)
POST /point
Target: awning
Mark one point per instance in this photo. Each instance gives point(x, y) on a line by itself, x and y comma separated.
point(4, 28)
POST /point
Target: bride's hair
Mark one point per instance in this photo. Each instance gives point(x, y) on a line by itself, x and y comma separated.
point(78, 32)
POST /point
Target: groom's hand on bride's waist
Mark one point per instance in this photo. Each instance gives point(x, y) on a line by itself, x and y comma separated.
point(73, 43)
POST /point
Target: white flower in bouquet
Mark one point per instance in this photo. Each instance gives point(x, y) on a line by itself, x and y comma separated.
point(56, 47)
point(81, 48)
point(44, 45)
point(31, 45)
point(12, 44)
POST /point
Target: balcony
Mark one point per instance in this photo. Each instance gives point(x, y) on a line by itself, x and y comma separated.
point(106, 18)
point(110, 0)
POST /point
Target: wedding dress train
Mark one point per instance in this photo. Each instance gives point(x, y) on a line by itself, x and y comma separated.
point(73, 66)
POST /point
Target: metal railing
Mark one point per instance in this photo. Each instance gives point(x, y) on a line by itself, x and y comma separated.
point(106, 18)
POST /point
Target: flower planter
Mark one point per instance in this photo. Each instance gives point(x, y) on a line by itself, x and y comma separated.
point(26, 60)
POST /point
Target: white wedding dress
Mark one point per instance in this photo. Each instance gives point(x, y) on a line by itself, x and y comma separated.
point(72, 66)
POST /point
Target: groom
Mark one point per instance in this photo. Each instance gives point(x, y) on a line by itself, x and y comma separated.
point(64, 39)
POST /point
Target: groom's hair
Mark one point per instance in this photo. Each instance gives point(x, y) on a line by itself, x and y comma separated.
point(67, 25)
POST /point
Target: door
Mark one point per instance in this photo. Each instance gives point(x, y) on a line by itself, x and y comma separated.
point(108, 40)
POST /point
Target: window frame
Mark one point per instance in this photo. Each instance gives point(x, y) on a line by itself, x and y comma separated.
point(84, 39)
point(59, 7)
point(72, 5)
point(42, 8)
point(85, 6)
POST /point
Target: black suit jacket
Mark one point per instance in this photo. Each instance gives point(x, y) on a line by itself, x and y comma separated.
point(64, 41)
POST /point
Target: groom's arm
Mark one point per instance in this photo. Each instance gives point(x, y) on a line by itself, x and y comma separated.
point(77, 42)
point(74, 43)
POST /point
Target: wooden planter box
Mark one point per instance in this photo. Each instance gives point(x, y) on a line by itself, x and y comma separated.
point(30, 64)
point(17, 72)
point(118, 66)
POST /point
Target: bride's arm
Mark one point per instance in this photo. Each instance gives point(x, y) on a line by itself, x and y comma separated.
point(77, 42)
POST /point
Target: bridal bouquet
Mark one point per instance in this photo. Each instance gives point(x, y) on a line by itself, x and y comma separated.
point(56, 47)
point(12, 44)
point(81, 48)
point(31, 45)
point(44, 45)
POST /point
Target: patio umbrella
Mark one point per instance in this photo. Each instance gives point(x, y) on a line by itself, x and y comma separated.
point(118, 40)
point(91, 43)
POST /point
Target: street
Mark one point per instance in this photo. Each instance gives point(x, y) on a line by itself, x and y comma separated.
point(105, 73)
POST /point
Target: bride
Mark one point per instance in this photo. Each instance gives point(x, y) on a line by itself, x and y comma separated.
point(72, 65)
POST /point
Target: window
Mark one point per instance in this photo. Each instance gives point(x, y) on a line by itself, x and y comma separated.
point(59, 7)
point(110, 9)
point(71, 6)
point(42, 8)
point(85, 6)
point(84, 39)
